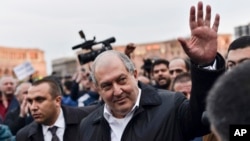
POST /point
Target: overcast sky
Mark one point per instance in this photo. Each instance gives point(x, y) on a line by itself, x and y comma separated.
point(53, 25)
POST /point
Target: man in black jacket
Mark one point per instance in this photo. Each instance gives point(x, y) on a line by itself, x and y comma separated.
point(137, 112)
point(44, 101)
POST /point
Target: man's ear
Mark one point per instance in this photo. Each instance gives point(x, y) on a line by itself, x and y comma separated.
point(59, 99)
point(135, 74)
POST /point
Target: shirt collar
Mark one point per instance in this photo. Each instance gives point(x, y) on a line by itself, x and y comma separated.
point(60, 122)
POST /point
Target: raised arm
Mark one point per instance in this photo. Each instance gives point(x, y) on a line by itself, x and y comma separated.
point(202, 46)
point(202, 50)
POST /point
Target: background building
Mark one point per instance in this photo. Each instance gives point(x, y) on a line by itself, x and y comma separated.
point(11, 57)
point(63, 67)
point(242, 30)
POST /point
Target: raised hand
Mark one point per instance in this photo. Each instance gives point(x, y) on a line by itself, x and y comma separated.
point(24, 107)
point(129, 49)
point(202, 46)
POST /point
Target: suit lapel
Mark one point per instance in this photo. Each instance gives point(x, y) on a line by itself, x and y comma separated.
point(71, 123)
point(36, 132)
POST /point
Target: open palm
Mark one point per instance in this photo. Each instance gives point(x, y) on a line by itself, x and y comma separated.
point(202, 46)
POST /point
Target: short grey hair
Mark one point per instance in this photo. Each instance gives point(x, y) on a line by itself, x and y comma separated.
point(129, 65)
point(19, 87)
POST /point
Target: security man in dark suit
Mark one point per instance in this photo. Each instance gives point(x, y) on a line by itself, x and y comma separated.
point(52, 122)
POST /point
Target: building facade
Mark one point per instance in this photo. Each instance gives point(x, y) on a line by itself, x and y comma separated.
point(242, 30)
point(11, 57)
point(63, 67)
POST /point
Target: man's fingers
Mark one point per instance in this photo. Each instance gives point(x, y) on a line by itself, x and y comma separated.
point(216, 23)
point(208, 16)
point(192, 19)
point(24, 102)
point(200, 20)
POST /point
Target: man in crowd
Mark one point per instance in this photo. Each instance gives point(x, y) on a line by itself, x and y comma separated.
point(135, 111)
point(182, 83)
point(51, 120)
point(228, 102)
point(160, 74)
point(238, 51)
point(178, 66)
point(8, 100)
point(86, 96)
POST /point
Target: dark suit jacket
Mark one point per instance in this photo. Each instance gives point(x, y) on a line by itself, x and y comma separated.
point(73, 116)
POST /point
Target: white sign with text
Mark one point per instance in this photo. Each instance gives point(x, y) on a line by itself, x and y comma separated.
point(24, 70)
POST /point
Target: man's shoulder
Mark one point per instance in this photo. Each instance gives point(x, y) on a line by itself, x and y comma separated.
point(95, 116)
point(166, 94)
point(80, 110)
point(90, 124)
point(90, 108)
point(171, 96)
point(33, 126)
point(74, 115)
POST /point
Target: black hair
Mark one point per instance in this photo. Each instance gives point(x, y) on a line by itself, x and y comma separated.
point(55, 87)
point(241, 42)
point(158, 62)
point(68, 84)
point(228, 100)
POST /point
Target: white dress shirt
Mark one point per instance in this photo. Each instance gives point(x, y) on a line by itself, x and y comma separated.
point(118, 125)
point(60, 123)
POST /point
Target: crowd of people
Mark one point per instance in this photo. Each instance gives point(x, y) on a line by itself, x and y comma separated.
point(183, 99)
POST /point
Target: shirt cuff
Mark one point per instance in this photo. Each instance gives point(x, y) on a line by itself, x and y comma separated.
point(211, 67)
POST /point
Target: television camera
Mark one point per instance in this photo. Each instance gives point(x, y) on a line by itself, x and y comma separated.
point(88, 44)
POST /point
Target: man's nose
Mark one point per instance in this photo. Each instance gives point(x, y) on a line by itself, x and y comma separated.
point(117, 89)
point(160, 73)
point(174, 74)
point(33, 106)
